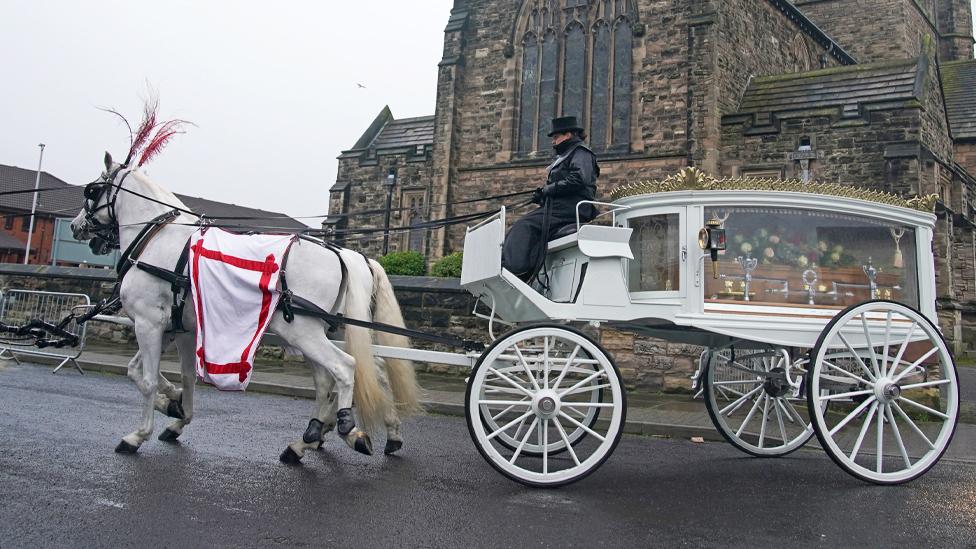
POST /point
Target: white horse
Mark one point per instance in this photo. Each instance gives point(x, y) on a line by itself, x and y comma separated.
point(126, 200)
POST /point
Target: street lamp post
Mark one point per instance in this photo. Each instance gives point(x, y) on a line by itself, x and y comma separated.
point(390, 184)
point(37, 184)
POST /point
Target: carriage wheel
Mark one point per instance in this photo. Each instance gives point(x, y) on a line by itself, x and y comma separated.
point(892, 388)
point(538, 386)
point(574, 434)
point(752, 404)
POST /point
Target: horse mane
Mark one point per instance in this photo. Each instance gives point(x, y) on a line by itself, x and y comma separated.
point(140, 142)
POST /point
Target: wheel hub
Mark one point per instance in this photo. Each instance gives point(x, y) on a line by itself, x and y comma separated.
point(886, 390)
point(546, 404)
point(776, 384)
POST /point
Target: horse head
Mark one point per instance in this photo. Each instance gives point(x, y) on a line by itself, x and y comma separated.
point(96, 221)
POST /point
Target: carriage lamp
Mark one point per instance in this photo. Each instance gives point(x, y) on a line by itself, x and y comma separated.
point(711, 238)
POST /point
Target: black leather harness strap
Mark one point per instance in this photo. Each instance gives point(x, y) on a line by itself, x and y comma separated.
point(132, 252)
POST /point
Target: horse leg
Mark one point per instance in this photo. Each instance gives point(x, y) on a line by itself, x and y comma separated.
point(307, 336)
point(186, 344)
point(150, 337)
point(394, 440)
point(324, 419)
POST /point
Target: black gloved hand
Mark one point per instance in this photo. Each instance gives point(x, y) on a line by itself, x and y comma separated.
point(537, 196)
point(549, 191)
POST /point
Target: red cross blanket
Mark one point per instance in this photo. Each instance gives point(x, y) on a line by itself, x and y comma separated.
point(235, 290)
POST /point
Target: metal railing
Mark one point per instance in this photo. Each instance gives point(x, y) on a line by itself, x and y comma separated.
point(18, 307)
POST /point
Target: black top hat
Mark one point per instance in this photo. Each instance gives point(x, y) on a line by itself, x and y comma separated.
point(565, 124)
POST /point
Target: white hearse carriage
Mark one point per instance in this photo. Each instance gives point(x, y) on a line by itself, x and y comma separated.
point(814, 304)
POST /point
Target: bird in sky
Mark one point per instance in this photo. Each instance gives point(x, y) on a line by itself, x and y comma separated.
point(360, 85)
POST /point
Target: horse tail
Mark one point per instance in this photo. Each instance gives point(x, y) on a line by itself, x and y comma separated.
point(401, 373)
point(372, 402)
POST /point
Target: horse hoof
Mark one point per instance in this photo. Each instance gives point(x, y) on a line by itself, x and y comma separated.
point(290, 457)
point(363, 444)
point(175, 410)
point(169, 435)
point(125, 448)
point(392, 446)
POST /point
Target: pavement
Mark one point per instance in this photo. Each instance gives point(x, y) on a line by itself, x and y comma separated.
point(677, 416)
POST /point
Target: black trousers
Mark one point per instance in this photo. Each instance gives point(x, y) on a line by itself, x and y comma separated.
point(524, 243)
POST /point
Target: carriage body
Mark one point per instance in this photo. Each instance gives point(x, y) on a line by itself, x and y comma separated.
point(646, 272)
point(821, 306)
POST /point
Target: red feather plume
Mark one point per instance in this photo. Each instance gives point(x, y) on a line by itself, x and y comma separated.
point(149, 116)
point(165, 131)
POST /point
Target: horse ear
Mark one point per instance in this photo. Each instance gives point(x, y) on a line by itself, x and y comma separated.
point(108, 161)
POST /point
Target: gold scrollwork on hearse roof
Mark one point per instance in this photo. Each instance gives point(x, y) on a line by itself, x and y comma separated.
point(693, 179)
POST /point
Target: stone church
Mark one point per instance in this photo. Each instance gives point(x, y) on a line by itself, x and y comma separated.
point(873, 93)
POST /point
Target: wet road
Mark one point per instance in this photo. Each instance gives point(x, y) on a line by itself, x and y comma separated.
point(61, 485)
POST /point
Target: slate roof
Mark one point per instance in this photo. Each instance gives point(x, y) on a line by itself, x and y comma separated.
point(845, 87)
point(386, 134)
point(67, 202)
point(408, 132)
point(959, 85)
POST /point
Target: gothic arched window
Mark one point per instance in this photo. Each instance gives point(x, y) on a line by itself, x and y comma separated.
point(576, 61)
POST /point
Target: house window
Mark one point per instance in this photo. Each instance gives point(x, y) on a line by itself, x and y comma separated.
point(8, 223)
point(576, 61)
point(25, 223)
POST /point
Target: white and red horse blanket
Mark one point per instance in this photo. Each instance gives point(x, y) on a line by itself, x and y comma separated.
point(234, 280)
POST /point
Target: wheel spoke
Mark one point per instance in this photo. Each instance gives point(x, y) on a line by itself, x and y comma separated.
point(779, 420)
point(879, 457)
point(509, 409)
point(569, 447)
point(867, 338)
point(736, 382)
point(903, 347)
point(748, 418)
point(739, 400)
point(765, 419)
point(525, 365)
point(511, 382)
point(545, 365)
point(864, 430)
point(521, 445)
point(925, 384)
point(923, 407)
point(845, 372)
point(856, 356)
point(509, 424)
point(897, 433)
point(912, 425)
point(585, 380)
point(887, 337)
point(857, 411)
point(914, 364)
point(509, 403)
point(594, 404)
point(545, 446)
point(498, 389)
point(587, 389)
point(789, 406)
point(562, 374)
point(846, 395)
point(598, 436)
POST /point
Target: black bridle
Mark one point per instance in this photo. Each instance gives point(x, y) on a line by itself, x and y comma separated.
point(106, 235)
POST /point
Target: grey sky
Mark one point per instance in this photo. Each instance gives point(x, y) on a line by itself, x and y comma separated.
point(272, 89)
point(271, 86)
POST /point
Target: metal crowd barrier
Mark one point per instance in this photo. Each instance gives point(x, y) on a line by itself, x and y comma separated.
point(17, 307)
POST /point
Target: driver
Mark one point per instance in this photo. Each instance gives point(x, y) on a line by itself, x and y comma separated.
point(572, 177)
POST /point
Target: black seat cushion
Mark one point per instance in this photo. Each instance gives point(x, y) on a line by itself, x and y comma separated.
point(565, 231)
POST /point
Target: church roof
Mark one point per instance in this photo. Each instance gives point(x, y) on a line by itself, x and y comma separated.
point(959, 85)
point(846, 88)
point(387, 134)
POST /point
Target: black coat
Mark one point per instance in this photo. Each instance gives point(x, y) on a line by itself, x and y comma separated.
point(572, 177)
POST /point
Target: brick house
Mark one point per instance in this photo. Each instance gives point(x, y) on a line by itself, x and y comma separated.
point(66, 201)
point(875, 93)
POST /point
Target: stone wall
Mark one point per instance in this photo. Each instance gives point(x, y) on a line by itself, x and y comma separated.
point(871, 30)
point(965, 156)
point(434, 305)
